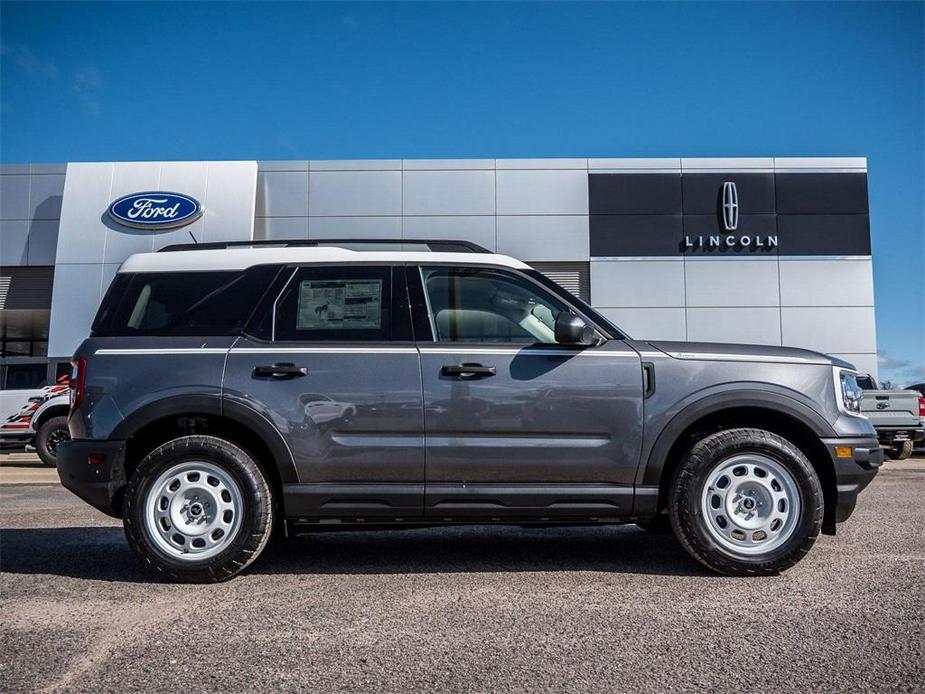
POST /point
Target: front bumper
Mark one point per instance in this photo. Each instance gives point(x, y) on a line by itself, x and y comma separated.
point(94, 471)
point(855, 461)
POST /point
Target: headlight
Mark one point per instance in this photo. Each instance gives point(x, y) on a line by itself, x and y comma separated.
point(847, 391)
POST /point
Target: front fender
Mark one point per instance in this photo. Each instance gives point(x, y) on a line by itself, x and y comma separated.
point(698, 405)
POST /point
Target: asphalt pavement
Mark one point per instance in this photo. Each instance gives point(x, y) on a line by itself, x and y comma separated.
point(470, 609)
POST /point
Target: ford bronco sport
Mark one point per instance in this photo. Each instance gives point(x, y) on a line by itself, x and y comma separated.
point(230, 391)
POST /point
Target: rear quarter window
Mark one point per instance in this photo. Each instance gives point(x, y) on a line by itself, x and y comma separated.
point(181, 303)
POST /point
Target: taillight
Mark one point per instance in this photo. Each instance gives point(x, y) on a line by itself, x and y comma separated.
point(78, 381)
point(921, 407)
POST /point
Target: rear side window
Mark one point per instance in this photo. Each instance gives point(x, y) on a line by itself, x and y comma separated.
point(342, 304)
point(181, 303)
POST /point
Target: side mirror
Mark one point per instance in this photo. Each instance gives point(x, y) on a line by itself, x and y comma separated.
point(572, 330)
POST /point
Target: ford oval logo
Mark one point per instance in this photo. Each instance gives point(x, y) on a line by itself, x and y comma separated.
point(155, 210)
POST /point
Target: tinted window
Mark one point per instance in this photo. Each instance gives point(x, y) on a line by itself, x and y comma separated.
point(340, 304)
point(866, 383)
point(181, 303)
point(25, 376)
point(487, 305)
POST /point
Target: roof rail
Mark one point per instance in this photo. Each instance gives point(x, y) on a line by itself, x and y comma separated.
point(435, 245)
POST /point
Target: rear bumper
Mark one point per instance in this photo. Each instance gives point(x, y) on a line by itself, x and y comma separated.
point(98, 480)
point(852, 473)
point(888, 435)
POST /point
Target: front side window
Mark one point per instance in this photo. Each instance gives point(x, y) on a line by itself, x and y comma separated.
point(489, 305)
point(340, 304)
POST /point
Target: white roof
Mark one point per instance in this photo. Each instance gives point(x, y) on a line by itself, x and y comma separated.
point(241, 258)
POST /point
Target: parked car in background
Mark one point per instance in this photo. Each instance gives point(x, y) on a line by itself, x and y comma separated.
point(41, 421)
point(918, 447)
point(896, 415)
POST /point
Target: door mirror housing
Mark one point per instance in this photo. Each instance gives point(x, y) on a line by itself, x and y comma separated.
point(572, 330)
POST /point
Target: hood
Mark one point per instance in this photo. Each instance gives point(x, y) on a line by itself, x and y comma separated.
point(716, 351)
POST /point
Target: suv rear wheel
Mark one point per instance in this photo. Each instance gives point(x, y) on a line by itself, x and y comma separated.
point(198, 509)
point(746, 502)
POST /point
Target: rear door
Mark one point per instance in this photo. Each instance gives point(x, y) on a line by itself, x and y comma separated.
point(331, 362)
point(515, 424)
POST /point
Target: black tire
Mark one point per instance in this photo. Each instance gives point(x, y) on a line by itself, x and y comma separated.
point(52, 432)
point(256, 513)
point(691, 527)
point(659, 525)
point(900, 451)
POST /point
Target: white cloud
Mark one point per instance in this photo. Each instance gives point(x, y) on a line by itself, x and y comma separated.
point(87, 87)
point(900, 371)
point(27, 61)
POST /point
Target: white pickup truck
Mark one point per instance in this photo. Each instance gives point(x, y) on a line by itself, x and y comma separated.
point(895, 414)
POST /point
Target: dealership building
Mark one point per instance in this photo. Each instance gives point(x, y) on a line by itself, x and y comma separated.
point(759, 250)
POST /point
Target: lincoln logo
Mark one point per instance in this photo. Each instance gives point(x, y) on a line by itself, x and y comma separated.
point(730, 206)
point(155, 210)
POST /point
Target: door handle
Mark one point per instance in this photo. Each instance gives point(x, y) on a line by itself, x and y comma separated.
point(467, 371)
point(281, 371)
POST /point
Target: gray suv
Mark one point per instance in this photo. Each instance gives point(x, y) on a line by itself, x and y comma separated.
point(228, 392)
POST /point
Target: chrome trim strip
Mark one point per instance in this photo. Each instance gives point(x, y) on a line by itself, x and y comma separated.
point(270, 349)
point(709, 356)
point(165, 350)
point(524, 352)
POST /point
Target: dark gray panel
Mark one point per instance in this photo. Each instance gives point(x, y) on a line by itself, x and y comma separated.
point(821, 193)
point(634, 193)
point(635, 235)
point(818, 234)
point(702, 192)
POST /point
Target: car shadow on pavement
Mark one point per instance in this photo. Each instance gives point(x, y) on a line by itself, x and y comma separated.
point(101, 553)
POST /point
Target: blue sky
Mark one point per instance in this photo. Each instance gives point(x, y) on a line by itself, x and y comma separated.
point(131, 81)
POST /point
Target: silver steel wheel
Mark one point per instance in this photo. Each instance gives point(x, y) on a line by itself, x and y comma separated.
point(193, 511)
point(751, 504)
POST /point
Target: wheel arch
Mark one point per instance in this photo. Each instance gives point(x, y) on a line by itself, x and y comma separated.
point(45, 413)
point(771, 411)
point(158, 422)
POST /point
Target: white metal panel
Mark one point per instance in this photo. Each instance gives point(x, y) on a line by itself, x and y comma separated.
point(544, 237)
point(726, 282)
point(282, 194)
point(14, 242)
point(745, 325)
point(280, 228)
point(840, 330)
point(87, 190)
point(637, 283)
point(45, 195)
point(14, 196)
point(354, 193)
point(128, 178)
point(354, 227)
point(448, 164)
point(448, 192)
point(649, 323)
point(542, 192)
point(480, 230)
point(826, 282)
point(75, 298)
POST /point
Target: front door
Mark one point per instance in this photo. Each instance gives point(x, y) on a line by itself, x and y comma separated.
point(516, 424)
point(333, 366)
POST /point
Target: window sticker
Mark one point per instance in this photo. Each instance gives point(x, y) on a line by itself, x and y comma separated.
point(340, 304)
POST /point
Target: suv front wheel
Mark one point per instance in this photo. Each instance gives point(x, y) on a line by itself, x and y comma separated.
point(746, 502)
point(198, 509)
